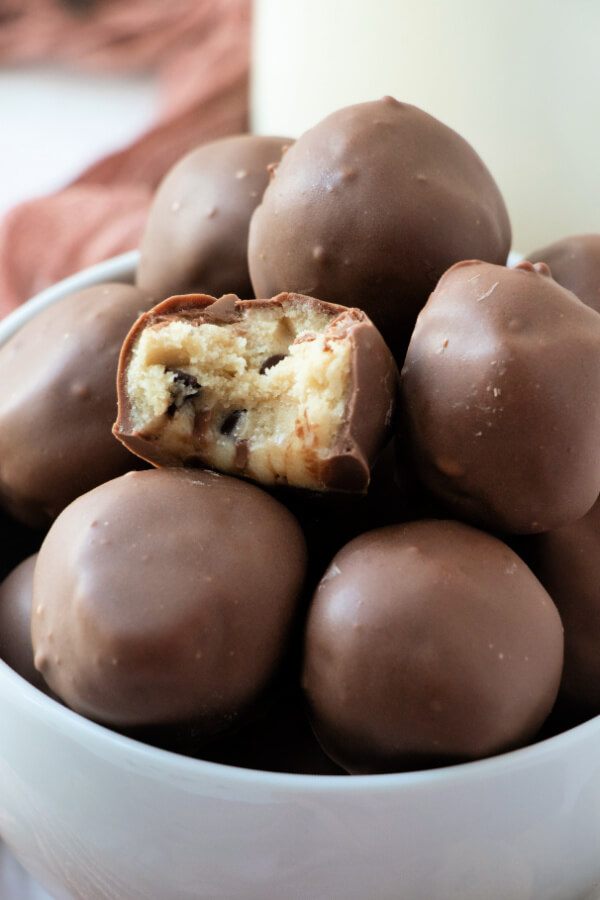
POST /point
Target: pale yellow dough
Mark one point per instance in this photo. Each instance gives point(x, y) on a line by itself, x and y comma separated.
point(283, 419)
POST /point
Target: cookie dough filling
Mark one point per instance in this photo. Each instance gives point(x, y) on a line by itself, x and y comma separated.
point(265, 394)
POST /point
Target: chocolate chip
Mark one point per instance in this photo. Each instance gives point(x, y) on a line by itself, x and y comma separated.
point(186, 378)
point(270, 362)
point(230, 422)
point(182, 388)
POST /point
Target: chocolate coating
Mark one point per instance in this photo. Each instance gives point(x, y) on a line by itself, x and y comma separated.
point(167, 596)
point(501, 392)
point(575, 263)
point(58, 401)
point(196, 236)
point(369, 208)
point(16, 593)
point(276, 417)
point(567, 562)
point(428, 643)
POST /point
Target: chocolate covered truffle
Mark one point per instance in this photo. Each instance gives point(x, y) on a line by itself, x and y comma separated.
point(369, 208)
point(575, 263)
point(567, 562)
point(196, 236)
point(167, 596)
point(16, 593)
point(501, 393)
point(284, 391)
point(58, 401)
point(428, 643)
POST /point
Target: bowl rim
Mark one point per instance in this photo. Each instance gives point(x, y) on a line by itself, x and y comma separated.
point(117, 268)
point(92, 734)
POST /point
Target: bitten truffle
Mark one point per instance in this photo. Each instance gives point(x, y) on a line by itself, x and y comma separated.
point(575, 263)
point(284, 391)
point(167, 596)
point(58, 401)
point(369, 208)
point(428, 643)
point(196, 236)
point(501, 397)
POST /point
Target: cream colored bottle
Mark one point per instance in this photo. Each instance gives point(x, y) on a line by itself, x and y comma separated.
point(519, 79)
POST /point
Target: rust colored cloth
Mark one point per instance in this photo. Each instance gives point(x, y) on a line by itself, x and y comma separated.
point(199, 50)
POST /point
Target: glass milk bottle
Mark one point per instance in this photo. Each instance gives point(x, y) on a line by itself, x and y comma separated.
point(520, 80)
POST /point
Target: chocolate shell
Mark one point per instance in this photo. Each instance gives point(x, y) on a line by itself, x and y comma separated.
point(501, 398)
point(428, 643)
point(58, 401)
point(575, 263)
point(287, 391)
point(167, 596)
point(196, 236)
point(369, 208)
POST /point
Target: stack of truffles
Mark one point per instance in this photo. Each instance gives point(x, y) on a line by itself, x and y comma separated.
point(342, 519)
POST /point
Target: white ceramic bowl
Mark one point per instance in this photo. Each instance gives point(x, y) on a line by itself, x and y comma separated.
point(97, 816)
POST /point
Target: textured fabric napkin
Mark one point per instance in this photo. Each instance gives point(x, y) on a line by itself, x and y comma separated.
point(199, 50)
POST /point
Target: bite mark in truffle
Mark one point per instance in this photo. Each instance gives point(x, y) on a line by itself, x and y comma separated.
point(290, 389)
